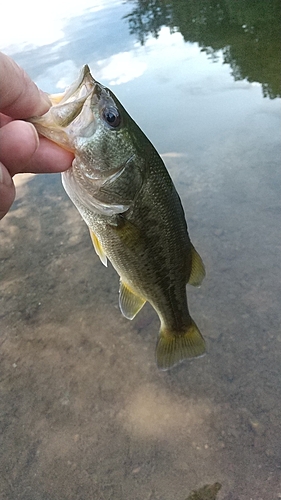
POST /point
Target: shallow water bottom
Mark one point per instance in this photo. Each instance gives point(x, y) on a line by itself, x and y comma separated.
point(85, 414)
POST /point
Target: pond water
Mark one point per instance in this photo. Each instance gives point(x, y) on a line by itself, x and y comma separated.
point(84, 411)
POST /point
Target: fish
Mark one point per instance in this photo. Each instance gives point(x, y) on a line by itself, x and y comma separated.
point(123, 191)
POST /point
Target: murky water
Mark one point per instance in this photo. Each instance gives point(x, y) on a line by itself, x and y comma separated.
point(84, 412)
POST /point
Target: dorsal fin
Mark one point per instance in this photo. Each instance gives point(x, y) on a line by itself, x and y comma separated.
point(130, 303)
point(98, 248)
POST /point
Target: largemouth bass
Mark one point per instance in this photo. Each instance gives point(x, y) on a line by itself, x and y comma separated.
point(121, 187)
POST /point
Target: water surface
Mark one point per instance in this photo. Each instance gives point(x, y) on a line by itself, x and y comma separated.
point(85, 414)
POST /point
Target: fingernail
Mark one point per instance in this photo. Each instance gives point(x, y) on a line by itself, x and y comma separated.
point(5, 177)
point(34, 133)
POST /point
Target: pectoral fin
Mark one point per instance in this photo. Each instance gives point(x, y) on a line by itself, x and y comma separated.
point(130, 303)
point(197, 272)
point(128, 233)
point(98, 248)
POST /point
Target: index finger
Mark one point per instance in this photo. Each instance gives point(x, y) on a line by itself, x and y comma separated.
point(19, 96)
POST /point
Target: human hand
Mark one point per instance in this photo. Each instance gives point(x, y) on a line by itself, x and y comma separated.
point(21, 149)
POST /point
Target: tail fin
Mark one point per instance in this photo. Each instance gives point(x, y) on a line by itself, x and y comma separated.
point(172, 348)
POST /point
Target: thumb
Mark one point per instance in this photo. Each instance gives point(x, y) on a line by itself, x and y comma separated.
point(7, 191)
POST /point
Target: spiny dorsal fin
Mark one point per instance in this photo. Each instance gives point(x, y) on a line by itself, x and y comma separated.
point(197, 273)
point(98, 248)
point(130, 303)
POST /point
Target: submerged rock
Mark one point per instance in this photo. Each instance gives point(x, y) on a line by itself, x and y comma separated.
point(207, 492)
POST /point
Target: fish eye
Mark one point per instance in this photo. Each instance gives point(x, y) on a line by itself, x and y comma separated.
point(112, 117)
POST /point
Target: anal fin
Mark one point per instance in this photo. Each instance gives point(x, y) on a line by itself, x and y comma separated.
point(197, 273)
point(98, 248)
point(130, 303)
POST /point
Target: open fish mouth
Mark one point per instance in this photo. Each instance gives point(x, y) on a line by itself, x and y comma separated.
point(81, 87)
point(71, 115)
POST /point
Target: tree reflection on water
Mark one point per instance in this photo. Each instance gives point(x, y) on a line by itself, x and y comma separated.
point(247, 33)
